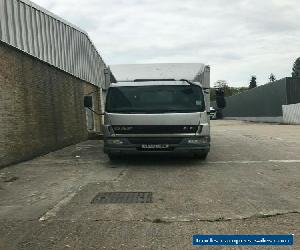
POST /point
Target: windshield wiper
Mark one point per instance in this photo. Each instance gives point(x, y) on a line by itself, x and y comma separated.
point(189, 82)
point(193, 84)
point(153, 80)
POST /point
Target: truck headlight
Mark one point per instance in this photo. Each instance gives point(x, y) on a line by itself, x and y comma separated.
point(200, 140)
point(115, 141)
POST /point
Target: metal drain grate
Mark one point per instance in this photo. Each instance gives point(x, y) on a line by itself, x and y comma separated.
point(123, 197)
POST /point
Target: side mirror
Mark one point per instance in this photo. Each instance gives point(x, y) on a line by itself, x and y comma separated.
point(220, 99)
point(88, 102)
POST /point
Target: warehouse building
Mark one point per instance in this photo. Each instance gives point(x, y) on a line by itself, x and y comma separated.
point(47, 65)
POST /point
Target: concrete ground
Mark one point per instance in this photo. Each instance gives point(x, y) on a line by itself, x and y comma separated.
point(250, 184)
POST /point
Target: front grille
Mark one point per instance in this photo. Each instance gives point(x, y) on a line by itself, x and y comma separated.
point(155, 129)
point(155, 140)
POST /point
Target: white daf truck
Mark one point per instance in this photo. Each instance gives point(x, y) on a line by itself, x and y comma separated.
point(158, 116)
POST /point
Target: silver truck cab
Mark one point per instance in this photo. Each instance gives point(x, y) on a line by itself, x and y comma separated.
point(157, 116)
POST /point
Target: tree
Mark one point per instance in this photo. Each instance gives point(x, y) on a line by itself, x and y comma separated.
point(296, 68)
point(221, 84)
point(272, 78)
point(228, 91)
point(252, 82)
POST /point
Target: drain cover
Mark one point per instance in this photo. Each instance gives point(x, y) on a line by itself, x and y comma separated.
point(123, 197)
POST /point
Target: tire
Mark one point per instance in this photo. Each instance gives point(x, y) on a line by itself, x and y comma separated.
point(201, 156)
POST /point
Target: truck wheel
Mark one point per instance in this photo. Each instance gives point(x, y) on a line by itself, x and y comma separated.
point(201, 156)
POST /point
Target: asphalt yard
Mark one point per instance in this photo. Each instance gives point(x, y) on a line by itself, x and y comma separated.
point(249, 184)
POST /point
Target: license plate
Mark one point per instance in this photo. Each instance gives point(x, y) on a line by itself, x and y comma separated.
point(153, 146)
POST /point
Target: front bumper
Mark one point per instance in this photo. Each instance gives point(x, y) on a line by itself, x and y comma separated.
point(175, 146)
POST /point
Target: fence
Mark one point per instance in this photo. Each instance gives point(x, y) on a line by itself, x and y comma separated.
point(264, 103)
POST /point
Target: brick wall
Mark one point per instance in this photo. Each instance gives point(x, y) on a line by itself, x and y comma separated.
point(41, 107)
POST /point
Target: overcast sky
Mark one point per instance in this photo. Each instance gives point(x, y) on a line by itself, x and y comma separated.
point(237, 38)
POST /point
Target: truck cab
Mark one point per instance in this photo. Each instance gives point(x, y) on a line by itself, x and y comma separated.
point(157, 117)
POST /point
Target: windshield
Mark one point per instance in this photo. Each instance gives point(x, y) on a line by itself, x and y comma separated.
point(155, 99)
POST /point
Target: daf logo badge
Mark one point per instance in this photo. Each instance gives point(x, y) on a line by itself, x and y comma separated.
point(126, 128)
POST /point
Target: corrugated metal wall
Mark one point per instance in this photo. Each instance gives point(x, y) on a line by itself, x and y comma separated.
point(41, 34)
point(291, 113)
point(263, 101)
point(293, 90)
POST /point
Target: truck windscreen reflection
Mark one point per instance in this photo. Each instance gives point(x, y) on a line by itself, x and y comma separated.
point(155, 99)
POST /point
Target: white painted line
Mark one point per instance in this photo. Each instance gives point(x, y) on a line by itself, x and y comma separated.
point(53, 211)
point(252, 162)
point(285, 161)
point(239, 162)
